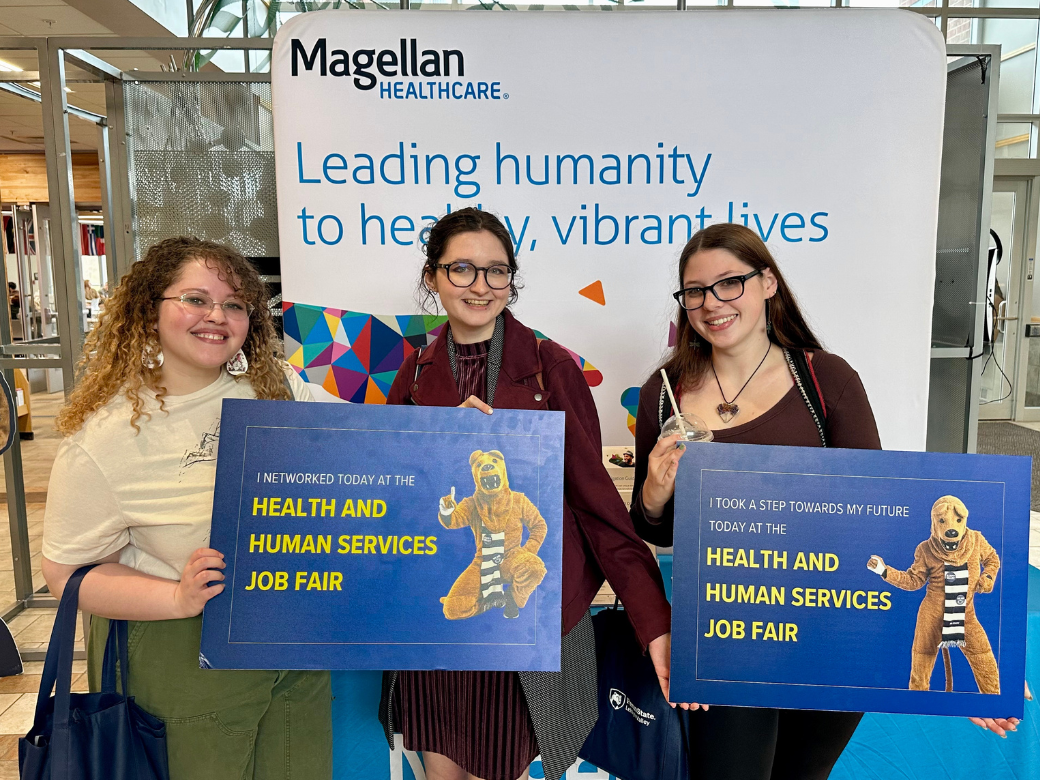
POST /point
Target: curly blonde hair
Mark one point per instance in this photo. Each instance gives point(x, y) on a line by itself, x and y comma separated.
point(126, 331)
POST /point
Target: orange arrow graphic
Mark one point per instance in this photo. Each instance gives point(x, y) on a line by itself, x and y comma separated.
point(594, 292)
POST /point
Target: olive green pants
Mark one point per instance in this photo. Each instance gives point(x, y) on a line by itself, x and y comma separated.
point(221, 724)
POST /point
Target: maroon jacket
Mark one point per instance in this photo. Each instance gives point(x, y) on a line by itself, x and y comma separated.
point(598, 536)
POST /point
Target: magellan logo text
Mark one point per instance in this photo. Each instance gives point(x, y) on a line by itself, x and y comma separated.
point(429, 72)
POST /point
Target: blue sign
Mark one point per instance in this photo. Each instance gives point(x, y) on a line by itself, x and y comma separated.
point(850, 580)
point(379, 537)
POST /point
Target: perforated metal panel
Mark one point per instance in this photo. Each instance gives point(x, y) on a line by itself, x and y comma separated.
point(949, 394)
point(960, 207)
point(966, 181)
point(201, 162)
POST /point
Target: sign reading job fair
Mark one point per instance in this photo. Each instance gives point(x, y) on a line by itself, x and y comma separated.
point(374, 537)
point(850, 580)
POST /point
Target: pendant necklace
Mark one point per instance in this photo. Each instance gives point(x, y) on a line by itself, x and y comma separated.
point(727, 409)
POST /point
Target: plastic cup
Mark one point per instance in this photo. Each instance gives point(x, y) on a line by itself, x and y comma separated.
point(696, 428)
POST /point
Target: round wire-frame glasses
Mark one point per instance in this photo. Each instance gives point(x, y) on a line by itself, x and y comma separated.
point(460, 274)
point(202, 304)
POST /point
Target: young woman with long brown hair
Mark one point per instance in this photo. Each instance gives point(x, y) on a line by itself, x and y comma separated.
point(132, 489)
point(491, 725)
point(748, 364)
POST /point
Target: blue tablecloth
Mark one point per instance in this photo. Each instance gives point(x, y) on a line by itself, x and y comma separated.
point(907, 747)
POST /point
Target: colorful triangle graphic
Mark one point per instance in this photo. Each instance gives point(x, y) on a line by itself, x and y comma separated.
point(354, 323)
point(306, 317)
point(361, 345)
point(373, 395)
point(594, 292)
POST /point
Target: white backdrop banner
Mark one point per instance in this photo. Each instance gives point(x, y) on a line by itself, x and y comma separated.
point(604, 140)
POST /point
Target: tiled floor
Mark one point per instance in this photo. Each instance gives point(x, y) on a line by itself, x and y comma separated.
point(32, 628)
point(37, 457)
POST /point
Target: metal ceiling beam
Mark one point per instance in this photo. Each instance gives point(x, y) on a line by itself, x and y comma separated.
point(88, 62)
point(158, 44)
point(36, 97)
point(149, 76)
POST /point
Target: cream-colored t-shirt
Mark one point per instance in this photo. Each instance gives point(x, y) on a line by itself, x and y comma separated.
point(148, 495)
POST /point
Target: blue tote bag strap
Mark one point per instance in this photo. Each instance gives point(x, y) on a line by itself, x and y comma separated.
point(116, 648)
point(57, 669)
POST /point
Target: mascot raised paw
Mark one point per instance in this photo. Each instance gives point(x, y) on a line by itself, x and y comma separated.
point(956, 563)
point(497, 516)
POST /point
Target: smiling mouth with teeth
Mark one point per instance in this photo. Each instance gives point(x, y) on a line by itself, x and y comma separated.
point(477, 303)
point(950, 546)
point(721, 320)
point(491, 482)
point(209, 336)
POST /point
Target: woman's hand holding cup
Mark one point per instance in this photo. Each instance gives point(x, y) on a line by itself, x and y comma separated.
point(662, 464)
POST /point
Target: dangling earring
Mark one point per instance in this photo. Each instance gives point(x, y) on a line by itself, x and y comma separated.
point(151, 355)
point(238, 365)
point(769, 325)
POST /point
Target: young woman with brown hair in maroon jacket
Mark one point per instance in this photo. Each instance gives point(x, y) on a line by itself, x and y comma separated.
point(491, 725)
point(739, 332)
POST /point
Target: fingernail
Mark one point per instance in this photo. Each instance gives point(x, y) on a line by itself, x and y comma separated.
point(680, 446)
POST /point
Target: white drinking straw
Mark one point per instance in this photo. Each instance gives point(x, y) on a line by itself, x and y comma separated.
point(675, 406)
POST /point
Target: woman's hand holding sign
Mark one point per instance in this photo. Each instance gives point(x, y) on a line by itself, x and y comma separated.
point(660, 652)
point(200, 581)
point(475, 403)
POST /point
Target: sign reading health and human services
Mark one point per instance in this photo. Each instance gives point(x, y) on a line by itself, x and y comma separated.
point(603, 141)
point(366, 537)
point(851, 580)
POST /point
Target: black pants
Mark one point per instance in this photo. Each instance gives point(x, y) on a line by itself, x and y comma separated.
point(748, 743)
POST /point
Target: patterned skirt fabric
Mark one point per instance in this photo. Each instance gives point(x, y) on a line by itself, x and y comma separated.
point(477, 719)
point(492, 724)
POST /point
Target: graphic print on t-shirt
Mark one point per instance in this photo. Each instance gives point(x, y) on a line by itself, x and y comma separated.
point(206, 450)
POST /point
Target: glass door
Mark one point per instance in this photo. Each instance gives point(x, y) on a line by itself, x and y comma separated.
point(1003, 293)
point(1027, 407)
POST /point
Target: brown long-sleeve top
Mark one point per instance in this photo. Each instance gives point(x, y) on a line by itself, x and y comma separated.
point(598, 538)
point(850, 424)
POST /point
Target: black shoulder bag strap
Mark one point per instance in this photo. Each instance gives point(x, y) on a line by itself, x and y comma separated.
point(805, 378)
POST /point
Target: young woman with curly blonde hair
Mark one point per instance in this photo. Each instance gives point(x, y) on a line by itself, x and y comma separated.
point(132, 489)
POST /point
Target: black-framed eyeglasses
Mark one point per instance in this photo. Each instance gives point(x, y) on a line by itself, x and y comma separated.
point(728, 289)
point(202, 305)
point(497, 277)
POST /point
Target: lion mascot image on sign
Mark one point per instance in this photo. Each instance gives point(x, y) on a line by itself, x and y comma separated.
point(497, 516)
point(956, 563)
